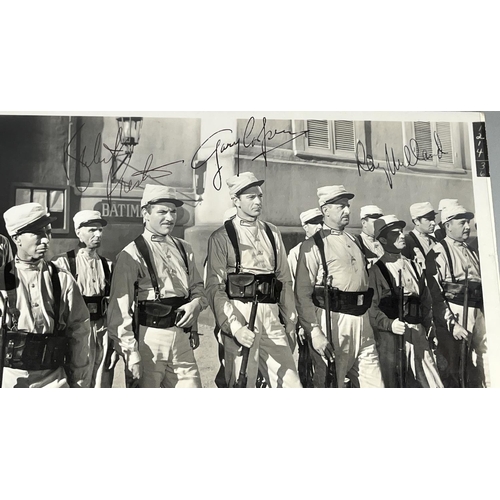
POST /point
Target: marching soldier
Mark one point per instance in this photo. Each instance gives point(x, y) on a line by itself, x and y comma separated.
point(247, 263)
point(370, 246)
point(48, 341)
point(6, 254)
point(350, 298)
point(93, 275)
point(439, 232)
point(384, 279)
point(311, 221)
point(446, 266)
point(156, 297)
point(421, 238)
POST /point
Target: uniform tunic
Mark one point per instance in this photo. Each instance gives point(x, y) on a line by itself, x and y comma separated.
point(91, 281)
point(374, 249)
point(6, 254)
point(271, 352)
point(293, 258)
point(445, 313)
point(166, 354)
point(418, 353)
point(353, 341)
point(413, 252)
point(35, 301)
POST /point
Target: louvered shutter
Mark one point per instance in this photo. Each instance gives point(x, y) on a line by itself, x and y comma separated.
point(318, 135)
point(344, 135)
point(423, 136)
point(443, 130)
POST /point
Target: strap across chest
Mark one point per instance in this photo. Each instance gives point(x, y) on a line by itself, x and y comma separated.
point(71, 256)
point(233, 238)
point(143, 250)
point(9, 281)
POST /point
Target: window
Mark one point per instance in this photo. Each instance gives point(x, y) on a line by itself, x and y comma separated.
point(55, 199)
point(437, 144)
point(328, 138)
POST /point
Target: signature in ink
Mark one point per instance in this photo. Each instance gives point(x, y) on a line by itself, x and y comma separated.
point(411, 152)
point(114, 183)
point(120, 165)
point(250, 139)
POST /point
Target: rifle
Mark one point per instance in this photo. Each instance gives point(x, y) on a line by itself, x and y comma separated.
point(304, 361)
point(400, 339)
point(331, 374)
point(242, 377)
point(3, 338)
point(462, 373)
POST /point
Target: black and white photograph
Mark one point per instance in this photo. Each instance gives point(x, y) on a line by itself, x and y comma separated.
point(232, 250)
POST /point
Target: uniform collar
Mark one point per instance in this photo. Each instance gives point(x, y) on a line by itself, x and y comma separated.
point(328, 230)
point(245, 223)
point(391, 257)
point(21, 264)
point(368, 237)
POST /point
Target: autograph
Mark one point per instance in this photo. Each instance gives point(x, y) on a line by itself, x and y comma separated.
point(120, 165)
point(412, 155)
point(249, 140)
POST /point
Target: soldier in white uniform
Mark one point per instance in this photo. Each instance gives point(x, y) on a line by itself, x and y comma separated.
point(6, 254)
point(48, 341)
point(384, 279)
point(93, 274)
point(310, 365)
point(248, 247)
point(446, 264)
point(421, 238)
point(439, 232)
point(370, 246)
point(353, 341)
point(311, 221)
point(158, 292)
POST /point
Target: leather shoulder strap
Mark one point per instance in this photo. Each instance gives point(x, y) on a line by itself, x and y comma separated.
point(140, 243)
point(182, 251)
point(448, 255)
point(361, 243)
point(9, 282)
point(233, 238)
point(107, 275)
point(71, 255)
point(270, 235)
point(56, 290)
point(417, 243)
point(321, 247)
point(386, 275)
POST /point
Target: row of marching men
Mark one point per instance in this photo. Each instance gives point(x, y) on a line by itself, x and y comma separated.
point(60, 330)
point(421, 293)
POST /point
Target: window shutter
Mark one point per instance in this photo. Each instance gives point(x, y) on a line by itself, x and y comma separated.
point(344, 135)
point(443, 130)
point(318, 135)
point(423, 136)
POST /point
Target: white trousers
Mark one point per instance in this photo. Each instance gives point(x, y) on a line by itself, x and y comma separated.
point(356, 356)
point(270, 352)
point(167, 359)
point(478, 372)
point(98, 346)
point(53, 379)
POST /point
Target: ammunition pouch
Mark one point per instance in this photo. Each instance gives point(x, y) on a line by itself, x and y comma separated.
point(246, 287)
point(36, 351)
point(412, 308)
point(160, 313)
point(455, 293)
point(97, 306)
point(353, 303)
